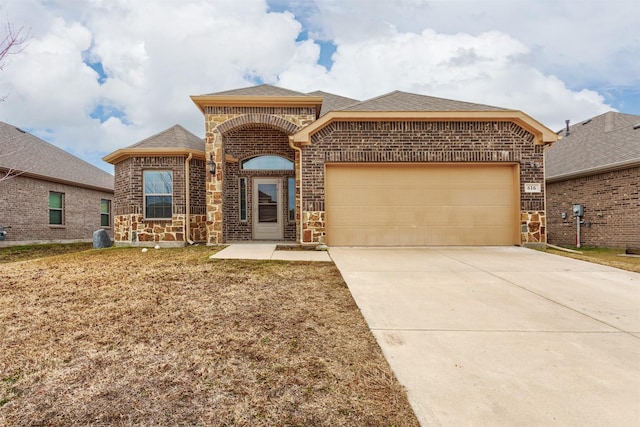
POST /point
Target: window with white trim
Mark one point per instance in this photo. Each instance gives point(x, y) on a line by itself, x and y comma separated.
point(158, 194)
point(56, 208)
point(105, 213)
point(243, 199)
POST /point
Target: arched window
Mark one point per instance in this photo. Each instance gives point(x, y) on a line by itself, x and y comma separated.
point(268, 163)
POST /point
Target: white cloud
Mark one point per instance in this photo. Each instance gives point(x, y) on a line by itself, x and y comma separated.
point(534, 56)
point(490, 68)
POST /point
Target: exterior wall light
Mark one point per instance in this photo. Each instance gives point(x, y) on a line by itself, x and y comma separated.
point(212, 165)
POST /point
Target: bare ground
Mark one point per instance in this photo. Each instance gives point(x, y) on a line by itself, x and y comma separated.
point(169, 337)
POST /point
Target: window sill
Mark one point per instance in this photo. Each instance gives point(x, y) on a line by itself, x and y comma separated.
point(57, 226)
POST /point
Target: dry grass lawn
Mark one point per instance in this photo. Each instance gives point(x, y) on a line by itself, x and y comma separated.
point(605, 256)
point(168, 337)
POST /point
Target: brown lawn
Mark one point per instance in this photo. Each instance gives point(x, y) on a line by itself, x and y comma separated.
point(169, 337)
point(606, 256)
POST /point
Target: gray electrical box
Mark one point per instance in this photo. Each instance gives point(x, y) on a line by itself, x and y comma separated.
point(578, 210)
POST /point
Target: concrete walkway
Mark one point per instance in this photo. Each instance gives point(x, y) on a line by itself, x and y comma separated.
point(268, 251)
point(503, 336)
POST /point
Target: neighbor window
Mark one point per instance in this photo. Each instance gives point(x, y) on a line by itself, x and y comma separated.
point(268, 163)
point(158, 194)
point(243, 199)
point(105, 213)
point(56, 208)
point(291, 184)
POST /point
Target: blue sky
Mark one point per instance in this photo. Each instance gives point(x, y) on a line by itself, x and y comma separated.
point(97, 76)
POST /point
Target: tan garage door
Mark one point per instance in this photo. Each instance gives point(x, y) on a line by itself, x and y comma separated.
point(418, 204)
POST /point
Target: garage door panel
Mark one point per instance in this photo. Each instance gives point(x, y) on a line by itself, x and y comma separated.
point(462, 204)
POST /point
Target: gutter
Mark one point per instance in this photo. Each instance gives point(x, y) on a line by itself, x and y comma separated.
point(187, 187)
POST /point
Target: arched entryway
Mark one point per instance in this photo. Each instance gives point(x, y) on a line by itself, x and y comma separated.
point(259, 186)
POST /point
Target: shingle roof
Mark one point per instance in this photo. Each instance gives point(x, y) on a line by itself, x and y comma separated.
point(602, 142)
point(260, 90)
point(29, 154)
point(404, 101)
point(174, 137)
point(332, 101)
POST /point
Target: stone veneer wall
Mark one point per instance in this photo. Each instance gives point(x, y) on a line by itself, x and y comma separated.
point(533, 227)
point(378, 142)
point(133, 229)
point(130, 227)
point(220, 121)
point(611, 209)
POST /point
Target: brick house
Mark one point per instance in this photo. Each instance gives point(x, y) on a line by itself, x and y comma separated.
point(596, 164)
point(49, 195)
point(399, 169)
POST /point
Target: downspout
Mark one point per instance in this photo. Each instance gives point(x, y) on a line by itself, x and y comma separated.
point(299, 150)
point(187, 187)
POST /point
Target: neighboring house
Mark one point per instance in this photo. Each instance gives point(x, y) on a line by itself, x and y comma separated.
point(596, 164)
point(49, 195)
point(154, 200)
point(399, 169)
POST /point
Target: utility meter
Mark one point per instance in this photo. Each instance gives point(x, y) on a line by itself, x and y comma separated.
point(578, 210)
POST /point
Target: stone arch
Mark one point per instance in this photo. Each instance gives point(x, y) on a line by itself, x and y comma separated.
point(252, 119)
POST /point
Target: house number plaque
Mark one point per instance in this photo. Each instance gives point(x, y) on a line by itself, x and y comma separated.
point(532, 187)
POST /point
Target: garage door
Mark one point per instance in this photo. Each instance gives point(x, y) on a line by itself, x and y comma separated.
point(418, 204)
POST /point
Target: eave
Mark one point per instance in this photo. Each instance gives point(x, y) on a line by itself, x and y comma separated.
point(203, 101)
point(627, 164)
point(542, 134)
point(24, 174)
point(124, 153)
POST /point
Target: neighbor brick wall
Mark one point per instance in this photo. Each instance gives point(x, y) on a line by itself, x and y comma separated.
point(129, 200)
point(24, 205)
point(424, 142)
point(245, 143)
point(611, 206)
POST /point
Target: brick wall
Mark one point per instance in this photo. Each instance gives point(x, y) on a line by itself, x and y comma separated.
point(24, 205)
point(611, 209)
point(129, 200)
point(243, 144)
point(426, 142)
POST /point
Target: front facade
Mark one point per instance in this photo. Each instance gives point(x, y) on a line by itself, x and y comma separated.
point(596, 165)
point(48, 195)
point(400, 169)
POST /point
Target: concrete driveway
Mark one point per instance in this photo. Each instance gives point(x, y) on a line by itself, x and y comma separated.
point(503, 335)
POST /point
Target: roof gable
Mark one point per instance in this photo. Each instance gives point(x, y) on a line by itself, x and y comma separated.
point(331, 102)
point(404, 101)
point(32, 156)
point(260, 90)
point(175, 141)
point(258, 96)
point(176, 137)
point(605, 142)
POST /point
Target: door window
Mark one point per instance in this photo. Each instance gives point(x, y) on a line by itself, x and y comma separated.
point(267, 203)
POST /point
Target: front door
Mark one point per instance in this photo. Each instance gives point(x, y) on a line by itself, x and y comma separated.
point(267, 209)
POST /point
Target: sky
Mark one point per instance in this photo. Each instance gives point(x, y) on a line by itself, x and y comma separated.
point(99, 75)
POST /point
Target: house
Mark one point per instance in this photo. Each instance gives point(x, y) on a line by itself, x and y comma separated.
point(49, 195)
point(398, 169)
point(596, 164)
